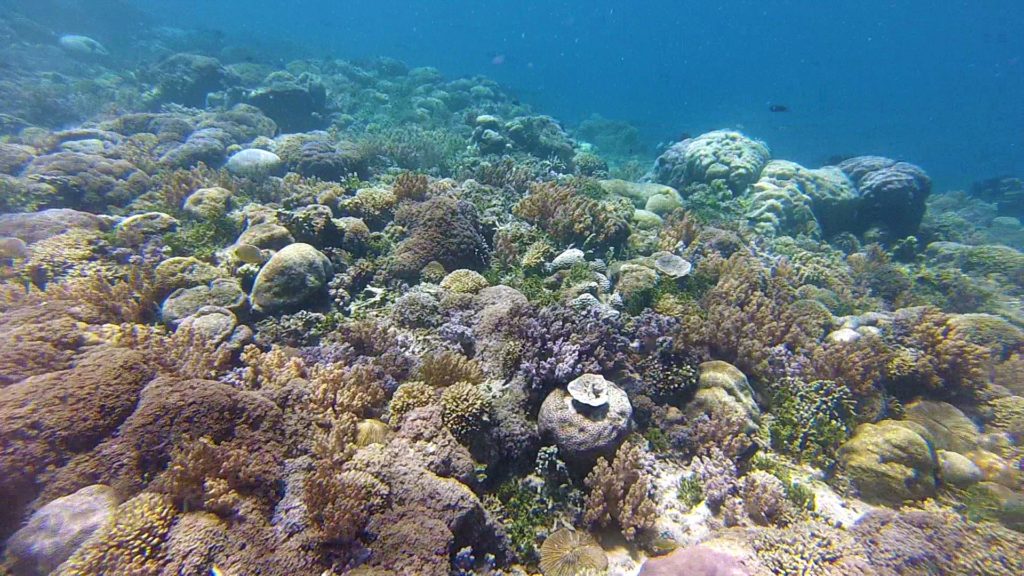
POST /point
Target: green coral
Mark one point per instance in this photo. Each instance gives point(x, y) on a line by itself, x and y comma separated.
point(202, 239)
point(523, 515)
point(811, 420)
point(690, 492)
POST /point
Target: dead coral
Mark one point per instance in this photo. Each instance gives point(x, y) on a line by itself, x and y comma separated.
point(621, 493)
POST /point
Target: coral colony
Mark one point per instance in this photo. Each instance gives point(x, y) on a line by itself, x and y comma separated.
point(336, 318)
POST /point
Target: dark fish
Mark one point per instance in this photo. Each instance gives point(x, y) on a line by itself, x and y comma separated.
point(685, 136)
point(778, 108)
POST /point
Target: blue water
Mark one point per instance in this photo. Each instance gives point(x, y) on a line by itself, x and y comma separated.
point(940, 84)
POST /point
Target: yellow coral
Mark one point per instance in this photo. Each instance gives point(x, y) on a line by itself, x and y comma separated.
point(464, 409)
point(567, 552)
point(410, 396)
point(133, 544)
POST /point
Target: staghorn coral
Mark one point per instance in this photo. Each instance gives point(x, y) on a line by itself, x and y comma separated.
point(568, 552)
point(570, 217)
point(464, 410)
point(621, 493)
point(134, 544)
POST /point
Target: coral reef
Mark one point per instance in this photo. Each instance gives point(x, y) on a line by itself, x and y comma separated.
point(330, 317)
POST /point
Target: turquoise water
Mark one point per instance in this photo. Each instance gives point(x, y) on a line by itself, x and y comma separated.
point(940, 85)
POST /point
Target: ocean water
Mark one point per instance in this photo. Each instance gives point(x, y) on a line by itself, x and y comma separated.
point(497, 288)
point(939, 85)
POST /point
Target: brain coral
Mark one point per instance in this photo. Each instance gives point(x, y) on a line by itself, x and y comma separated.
point(441, 229)
point(720, 155)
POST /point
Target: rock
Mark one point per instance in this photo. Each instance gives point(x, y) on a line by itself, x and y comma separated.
point(13, 248)
point(82, 46)
point(32, 227)
point(699, 560)
point(184, 302)
point(889, 463)
point(208, 203)
point(184, 272)
point(646, 220)
point(188, 79)
point(57, 529)
point(635, 283)
point(948, 427)
point(213, 324)
point(957, 469)
point(657, 198)
point(293, 275)
point(141, 226)
point(14, 157)
point(671, 265)
point(248, 254)
point(1009, 504)
point(267, 235)
point(295, 104)
point(581, 432)
point(843, 336)
point(253, 162)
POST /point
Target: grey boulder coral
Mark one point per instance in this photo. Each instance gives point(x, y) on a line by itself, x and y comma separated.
point(293, 275)
point(585, 431)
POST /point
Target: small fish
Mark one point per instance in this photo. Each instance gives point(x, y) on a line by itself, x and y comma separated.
point(778, 108)
point(216, 571)
point(248, 253)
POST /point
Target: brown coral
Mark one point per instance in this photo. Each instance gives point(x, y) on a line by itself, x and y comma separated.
point(446, 368)
point(621, 492)
point(568, 216)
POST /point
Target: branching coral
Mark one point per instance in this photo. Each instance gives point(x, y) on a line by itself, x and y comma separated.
point(409, 396)
point(445, 368)
point(621, 493)
point(570, 217)
point(750, 310)
point(340, 503)
point(464, 410)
